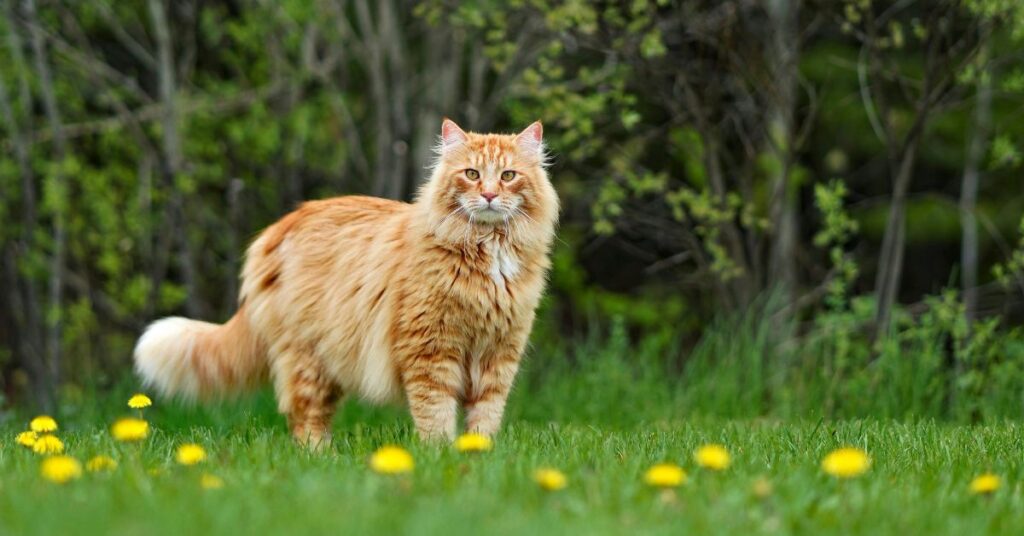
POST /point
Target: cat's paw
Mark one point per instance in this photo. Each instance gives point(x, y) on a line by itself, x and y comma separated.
point(317, 443)
point(436, 437)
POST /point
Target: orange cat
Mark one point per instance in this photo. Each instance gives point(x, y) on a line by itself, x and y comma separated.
point(357, 295)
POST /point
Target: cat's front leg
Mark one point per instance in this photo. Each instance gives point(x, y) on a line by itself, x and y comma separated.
point(491, 380)
point(432, 385)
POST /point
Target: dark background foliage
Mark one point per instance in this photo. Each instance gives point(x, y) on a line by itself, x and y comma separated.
point(835, 183)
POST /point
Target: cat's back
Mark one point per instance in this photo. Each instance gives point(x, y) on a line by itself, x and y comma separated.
point(309, 242)
point(345, 215)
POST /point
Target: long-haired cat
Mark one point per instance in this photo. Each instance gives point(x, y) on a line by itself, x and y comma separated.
point(432, 301)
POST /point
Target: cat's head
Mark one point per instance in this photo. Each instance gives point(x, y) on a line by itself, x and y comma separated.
point(492, 180)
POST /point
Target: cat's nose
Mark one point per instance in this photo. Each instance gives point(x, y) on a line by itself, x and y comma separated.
point(488, 196)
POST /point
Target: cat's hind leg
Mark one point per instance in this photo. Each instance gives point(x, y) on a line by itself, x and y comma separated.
point(305, 395)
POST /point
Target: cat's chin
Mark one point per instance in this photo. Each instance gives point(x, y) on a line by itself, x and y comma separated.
point(488, 216)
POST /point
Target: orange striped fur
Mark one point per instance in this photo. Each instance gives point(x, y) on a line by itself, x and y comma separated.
point(431, 301)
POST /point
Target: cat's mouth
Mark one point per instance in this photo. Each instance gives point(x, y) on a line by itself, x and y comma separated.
point(489, 215)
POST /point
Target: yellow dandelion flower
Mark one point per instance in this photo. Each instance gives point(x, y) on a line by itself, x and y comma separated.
point(190, 454)
point(550, 479)
point(985, 484)
point(139, 401)
point(27, 439)
point(130, 429)
point(846, 462)
point(48, 444)
point(208, 481)
point(473, 443)
point(713, 457)
point(391, 460)
point(100, 463)
point(43, 423)
point(665, 475)
point(60, 469)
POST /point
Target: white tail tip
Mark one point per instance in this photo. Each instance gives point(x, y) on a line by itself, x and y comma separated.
point(163, 356)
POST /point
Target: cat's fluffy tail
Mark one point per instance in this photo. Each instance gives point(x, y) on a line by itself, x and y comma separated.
point(199, 360)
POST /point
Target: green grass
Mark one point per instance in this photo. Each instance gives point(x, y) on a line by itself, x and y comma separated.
point(917, 484)
point(602, 409)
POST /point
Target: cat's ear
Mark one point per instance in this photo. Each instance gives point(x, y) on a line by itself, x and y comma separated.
point(531, 138)
point(451, 135)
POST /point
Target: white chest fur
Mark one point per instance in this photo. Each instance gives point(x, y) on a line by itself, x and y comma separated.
point(504, 263)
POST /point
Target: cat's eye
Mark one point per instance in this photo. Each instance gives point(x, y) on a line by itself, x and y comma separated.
point(508, 175)
point(472, 174)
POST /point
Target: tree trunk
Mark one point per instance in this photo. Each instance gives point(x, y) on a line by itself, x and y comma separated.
point(783, 52)
point(443, 57)
point(902, 161)
point(890, 264)
point(21, 299)
point(172, 153)
point(381, 95)
point(969, 193)
point(391, 34)
point(57, 261)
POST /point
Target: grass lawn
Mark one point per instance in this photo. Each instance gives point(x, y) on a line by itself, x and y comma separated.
point(918, 483)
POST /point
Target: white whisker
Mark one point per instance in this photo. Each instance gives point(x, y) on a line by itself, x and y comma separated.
point(445, 219)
